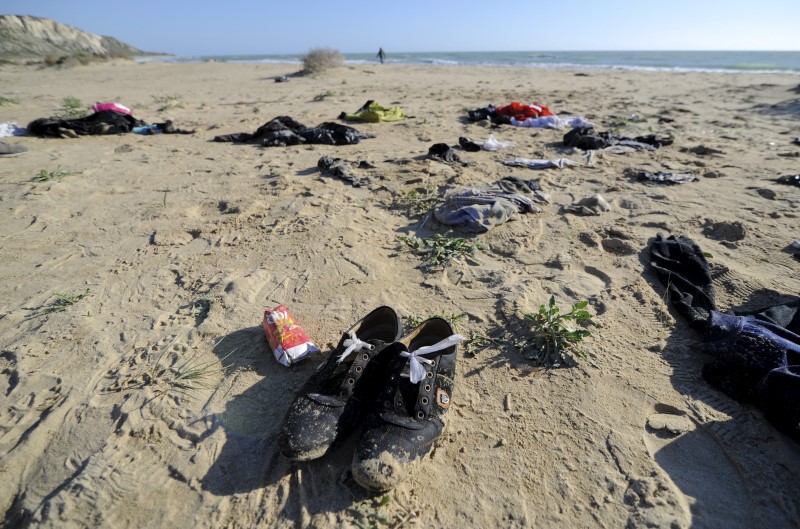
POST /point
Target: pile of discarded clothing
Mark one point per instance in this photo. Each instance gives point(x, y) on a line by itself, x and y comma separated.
point(586, 139)
point(480, 209)
point(518, 114)
point(108, 118)
point(757, 352)
point(283, 131)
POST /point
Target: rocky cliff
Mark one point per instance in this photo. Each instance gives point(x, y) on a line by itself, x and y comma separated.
point(25, 37)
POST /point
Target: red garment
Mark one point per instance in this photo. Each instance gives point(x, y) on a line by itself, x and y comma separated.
point(522, 112)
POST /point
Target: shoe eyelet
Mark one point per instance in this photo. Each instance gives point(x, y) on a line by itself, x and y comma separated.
point(433, 363)
point(342, 393)
point(365, 356)
point(427, 387)
point(430, 374)
point(358, 369)
point(420, 415)
point(351, 381)
point(424, 400)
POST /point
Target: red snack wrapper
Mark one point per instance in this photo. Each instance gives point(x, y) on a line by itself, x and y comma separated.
point(289, 342)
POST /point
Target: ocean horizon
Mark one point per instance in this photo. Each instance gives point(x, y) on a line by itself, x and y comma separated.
point(704, 61)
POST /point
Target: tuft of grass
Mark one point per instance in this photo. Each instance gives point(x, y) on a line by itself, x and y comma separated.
point(419, 201)
point(58, 174)
point(554, 341)
point(65, 300)
point(7, 101)
point(322, 96)
point(318, 60)
point(415, 320)
point(477, 342)
point(440, 250)
point(72, 107)
point(169, 372)
point(370, 515)
point(167, 102)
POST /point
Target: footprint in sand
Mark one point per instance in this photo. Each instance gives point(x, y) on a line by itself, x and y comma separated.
point(712, 487)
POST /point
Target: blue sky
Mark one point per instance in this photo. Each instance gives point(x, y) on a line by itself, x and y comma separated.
point(226, 27)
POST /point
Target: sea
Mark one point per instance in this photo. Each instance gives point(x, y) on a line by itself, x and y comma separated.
point(705, 61)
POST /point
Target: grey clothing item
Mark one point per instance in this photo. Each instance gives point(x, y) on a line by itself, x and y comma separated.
point(7, 150)
point(481, 209)
point(666, 177)
point(560, 163)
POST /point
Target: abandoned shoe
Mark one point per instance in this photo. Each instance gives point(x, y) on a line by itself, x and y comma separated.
point(408, 416)
point(332, 401)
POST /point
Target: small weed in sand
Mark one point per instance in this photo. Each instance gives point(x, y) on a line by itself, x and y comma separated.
point(553, 340)
point(419, 201)
point(370, 515)
point(663, 312)
point(167, 102)
point(476, 342)
point(440, 250)
point(71, 107)
point(7, 101)
point(322, 96)
point(64, 300)
point(169, 371)
point(46, 176)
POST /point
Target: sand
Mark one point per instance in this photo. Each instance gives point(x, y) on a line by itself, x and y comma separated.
point(182, 243)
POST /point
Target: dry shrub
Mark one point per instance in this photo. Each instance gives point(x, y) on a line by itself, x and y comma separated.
point(321, 59)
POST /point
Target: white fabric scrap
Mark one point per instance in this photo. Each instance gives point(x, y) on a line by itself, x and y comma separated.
point(560, 163)
point(553, 122)
point(492, 144)
point(9, 128)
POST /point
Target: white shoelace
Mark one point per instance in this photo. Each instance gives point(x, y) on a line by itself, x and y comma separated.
point(415, 369)
point(353, 344)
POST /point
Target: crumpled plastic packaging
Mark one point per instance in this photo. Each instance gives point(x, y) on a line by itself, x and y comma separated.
point(289, 342)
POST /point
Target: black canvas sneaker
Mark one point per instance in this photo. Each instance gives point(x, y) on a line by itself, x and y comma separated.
point(335, 398)
point(408, 417)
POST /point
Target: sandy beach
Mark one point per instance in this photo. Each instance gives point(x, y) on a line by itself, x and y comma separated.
point(180, 243)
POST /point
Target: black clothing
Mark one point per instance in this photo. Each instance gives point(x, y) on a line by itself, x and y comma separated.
point(284, 130)
point(103, 122)
point(681, 266)
point(444, 153)
point(757, 353)
point(586, 139)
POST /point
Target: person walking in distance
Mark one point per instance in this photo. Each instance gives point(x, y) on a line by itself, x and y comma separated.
point(381, 54)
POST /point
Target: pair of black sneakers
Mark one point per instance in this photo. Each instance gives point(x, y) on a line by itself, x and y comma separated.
point(400, 386)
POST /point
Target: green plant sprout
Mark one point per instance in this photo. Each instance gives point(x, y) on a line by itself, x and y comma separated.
point(419, 202)
point(553, 340)
point(64, 300)
point(46, 176)
point(72, 107)
point(440, 250)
